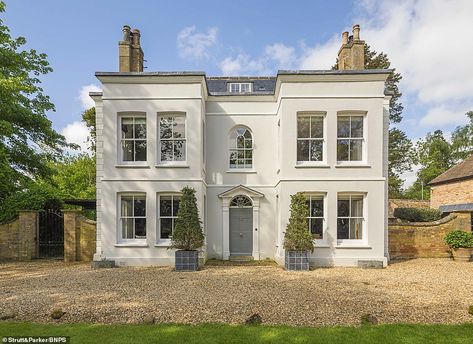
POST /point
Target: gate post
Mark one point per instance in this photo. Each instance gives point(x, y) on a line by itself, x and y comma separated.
point(71, 234)
point(28, 235)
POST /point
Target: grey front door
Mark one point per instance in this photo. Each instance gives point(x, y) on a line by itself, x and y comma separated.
point(241, 231)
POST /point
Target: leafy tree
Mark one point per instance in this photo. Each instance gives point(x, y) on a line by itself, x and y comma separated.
point(297, 236)
point(435, 156)
point(75, 177)
point(400, 146)
point(187, 234)
point(462, 139)
point(27, 139)
point(88, 116)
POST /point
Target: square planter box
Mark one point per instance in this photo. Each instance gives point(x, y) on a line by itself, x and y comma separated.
point(297, 260)
point(187, 260)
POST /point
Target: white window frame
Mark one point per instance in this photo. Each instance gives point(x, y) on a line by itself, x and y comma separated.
point(323, 115)
point(364, 237)
point(120, 238)
point(323, 196)
point(240, 86)
point(160, 240)
point(364, 143)
point(130, 114)
point(233, 148)
point(158, 138)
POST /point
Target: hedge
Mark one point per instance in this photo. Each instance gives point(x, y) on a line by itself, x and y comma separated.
point(417, 214)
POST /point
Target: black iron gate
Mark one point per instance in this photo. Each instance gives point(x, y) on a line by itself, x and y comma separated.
point(51, 234)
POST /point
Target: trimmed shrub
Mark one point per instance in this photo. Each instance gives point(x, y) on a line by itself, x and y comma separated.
point(36, 197)
point(57, 313)
point(459, 239)
point(417, 214)
point(188, 233)
point(470, 310)
point(298, 236)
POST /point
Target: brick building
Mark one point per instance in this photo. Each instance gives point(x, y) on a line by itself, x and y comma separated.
point(453, 189)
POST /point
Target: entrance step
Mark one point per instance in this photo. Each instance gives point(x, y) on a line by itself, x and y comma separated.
point(241, 262)
point(241, 259)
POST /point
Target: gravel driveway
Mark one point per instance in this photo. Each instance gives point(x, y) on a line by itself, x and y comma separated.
point(422, 290)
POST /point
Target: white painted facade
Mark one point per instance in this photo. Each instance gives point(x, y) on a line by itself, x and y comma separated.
point(275, 173)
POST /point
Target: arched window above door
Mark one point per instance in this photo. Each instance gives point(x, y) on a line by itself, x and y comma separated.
point(240, 201)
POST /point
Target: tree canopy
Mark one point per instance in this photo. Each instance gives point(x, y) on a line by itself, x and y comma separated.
point(27, 140)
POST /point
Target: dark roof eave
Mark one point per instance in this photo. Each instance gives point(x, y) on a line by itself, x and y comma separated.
point(448, 181)
point(334, 72)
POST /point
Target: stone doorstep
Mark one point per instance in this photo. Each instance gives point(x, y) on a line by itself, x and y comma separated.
point(370, 264)
point(103, 264)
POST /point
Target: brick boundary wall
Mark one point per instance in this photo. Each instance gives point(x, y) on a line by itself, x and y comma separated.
point(18, 238)
point(79, 237)
point(409, 240)
point(405, 203)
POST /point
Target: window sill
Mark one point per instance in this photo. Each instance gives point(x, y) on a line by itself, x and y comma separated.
point(163, 244)
point(309, 165)
point(236, 170)
point(131, 166)
point(358, 165)
point(131, 244)
point(348, 246)
point(172, 166)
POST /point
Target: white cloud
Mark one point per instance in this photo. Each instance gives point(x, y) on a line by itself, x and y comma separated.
point(445, 114)
point(195, 45)
point(77, 133)
point(243, 64)
point(322, 56)
point(285, 56)
point(410, 177)
point(84, 97)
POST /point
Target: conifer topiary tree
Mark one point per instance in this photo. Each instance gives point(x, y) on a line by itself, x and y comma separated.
point(188, 233)
point(298, 237)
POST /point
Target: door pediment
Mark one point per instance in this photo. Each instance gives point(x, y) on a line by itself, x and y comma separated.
point(241, 190)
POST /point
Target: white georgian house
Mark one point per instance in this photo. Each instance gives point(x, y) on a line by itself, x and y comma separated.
point(245, 144)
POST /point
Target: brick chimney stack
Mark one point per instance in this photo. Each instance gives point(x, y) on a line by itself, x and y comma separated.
point(130, 54)
point(351, 55)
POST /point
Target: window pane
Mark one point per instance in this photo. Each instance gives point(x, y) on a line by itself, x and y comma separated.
point(343, 226)
point(240, 142)
point(247, 135)
point(356, 229)
point(166, 228)
point(233, 157)
point(316, 150)
point(166, 150)
point(234, 88)
point(175, 205)
point(140, 228)
point(342, 150)
point(245, 87)
point(316, 127)
point(179, 127)
point(140, 206)
point(127, 206)
point(356, 126)
point(165, 206)
point(140, 128)
point(140, 150)
point(248, 154)
point(343, 208)
point(248, 143)
point(127, 128)
point(303, 150)
point(316, 228)
point(317, 208)
point(165, 127)
point(179, 150)
point(343, 126)
point(127, 150)
point(356, 150)
point(303, 127)
point(357, 206)
point(127, 228)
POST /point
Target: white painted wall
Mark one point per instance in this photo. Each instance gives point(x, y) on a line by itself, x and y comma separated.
point(272, 120)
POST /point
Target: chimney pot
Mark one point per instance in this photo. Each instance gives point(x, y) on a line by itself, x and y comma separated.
point(126, 33)
point(345, 37)
point(356, 32)
point(136, 37)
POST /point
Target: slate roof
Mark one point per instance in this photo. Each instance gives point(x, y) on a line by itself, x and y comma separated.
point(261, 85)
point(463, 170)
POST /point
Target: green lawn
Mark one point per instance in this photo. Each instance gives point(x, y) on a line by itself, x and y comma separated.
point(213, 333)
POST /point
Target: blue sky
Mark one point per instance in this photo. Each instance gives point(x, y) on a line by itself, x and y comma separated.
point(426, 40)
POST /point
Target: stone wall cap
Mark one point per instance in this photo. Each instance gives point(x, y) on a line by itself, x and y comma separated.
point(71, 210)
point(29, 211)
